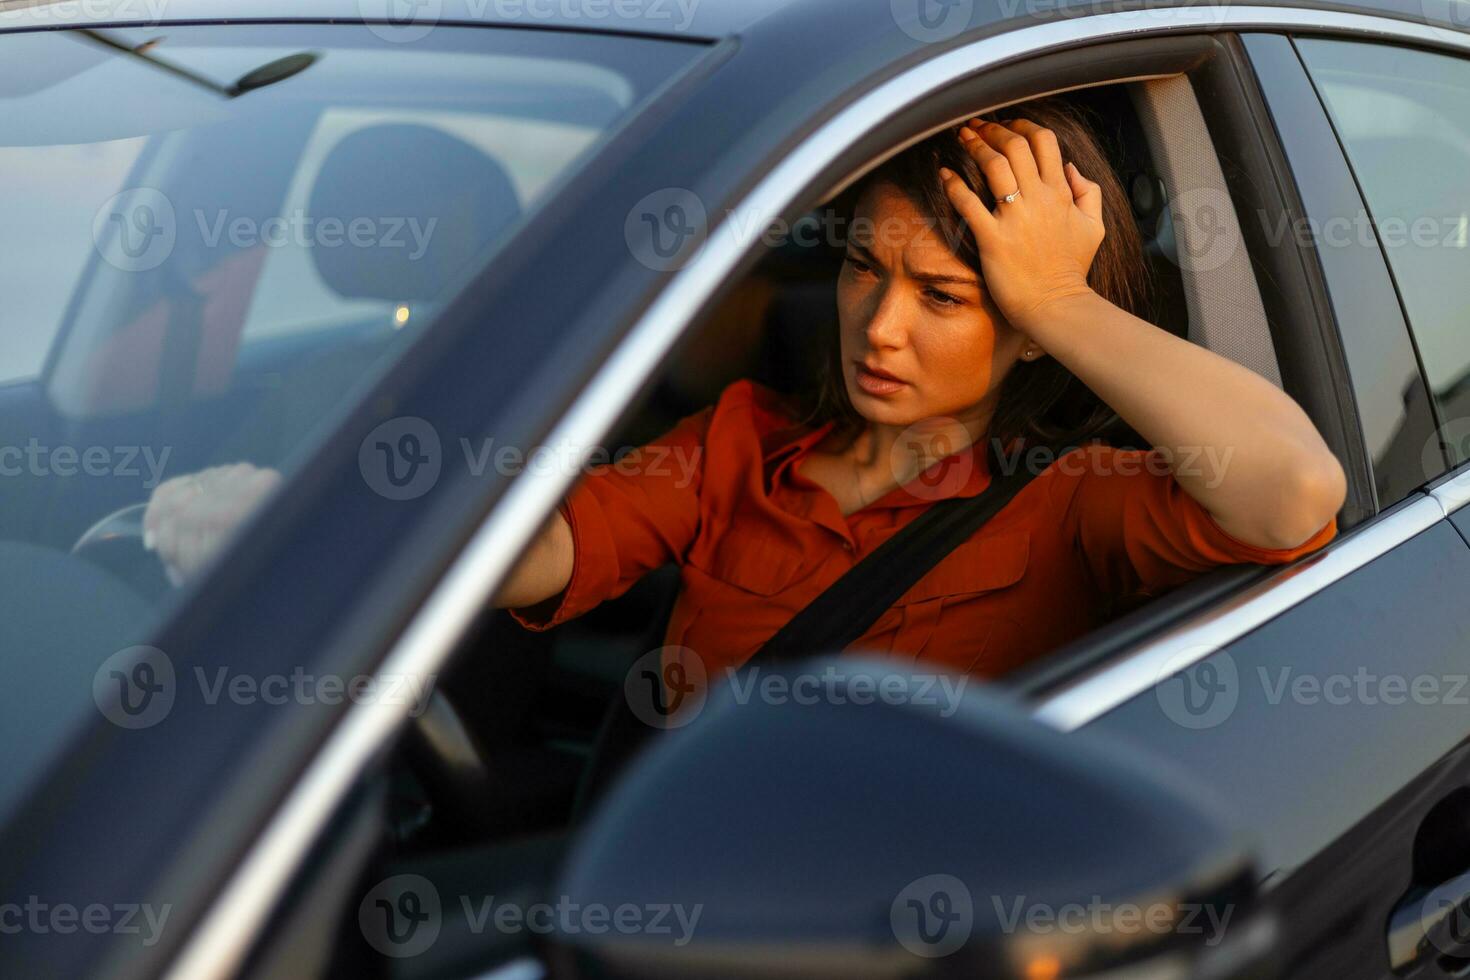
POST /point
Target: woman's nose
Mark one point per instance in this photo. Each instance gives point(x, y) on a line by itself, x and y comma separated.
point(886, 327)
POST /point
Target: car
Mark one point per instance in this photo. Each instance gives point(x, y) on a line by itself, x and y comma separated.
point(427, 260)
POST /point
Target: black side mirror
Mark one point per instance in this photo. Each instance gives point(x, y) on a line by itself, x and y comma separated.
point(933, 831)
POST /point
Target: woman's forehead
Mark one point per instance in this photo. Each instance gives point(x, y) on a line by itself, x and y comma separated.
point(886, 221)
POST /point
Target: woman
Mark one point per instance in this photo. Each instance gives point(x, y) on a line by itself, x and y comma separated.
point(989, 293)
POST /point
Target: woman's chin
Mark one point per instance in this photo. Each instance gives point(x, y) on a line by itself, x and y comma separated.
point(884, 409)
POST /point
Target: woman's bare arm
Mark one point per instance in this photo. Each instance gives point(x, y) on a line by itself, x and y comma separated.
point(190, 518)
point(1238, 444)
point(544, 570)
point(1268, 477)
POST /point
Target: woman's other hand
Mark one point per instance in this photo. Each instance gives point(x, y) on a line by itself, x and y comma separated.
point(189, 518)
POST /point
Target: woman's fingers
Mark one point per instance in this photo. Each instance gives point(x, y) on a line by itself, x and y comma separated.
point(1086, 193)
point(188, 559)
point(1015, 148)
point(189, 518)
point(1045, 149)
point(967, 203)
point(993, 164)
point(164, 509)
point(160, 504)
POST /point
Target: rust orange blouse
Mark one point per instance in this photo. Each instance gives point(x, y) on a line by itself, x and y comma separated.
point(721, 494)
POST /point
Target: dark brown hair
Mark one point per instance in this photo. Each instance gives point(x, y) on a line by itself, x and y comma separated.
point(1040, 401)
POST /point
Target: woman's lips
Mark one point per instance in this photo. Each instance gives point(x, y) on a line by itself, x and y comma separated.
point(876, 383)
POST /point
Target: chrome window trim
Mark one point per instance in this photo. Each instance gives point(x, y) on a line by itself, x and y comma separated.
point(218, 946)
point(1181, 647)
point(521, 969)
point(1454, 493)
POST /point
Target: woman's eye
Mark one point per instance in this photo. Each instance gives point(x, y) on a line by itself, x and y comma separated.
point(944, 299)
point(858, 265)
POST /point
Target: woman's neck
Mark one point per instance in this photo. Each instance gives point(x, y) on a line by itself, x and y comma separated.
point(858, 469)
point(907, 451)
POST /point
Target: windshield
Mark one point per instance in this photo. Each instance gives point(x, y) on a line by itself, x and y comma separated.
point(212, 237)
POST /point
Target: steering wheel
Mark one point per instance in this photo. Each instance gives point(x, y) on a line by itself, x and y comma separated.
point(457, 772)
point(115, 544)
point(126, 522)
point(444, 753)
point(446, 756)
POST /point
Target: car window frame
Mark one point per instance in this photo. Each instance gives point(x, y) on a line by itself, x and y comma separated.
point(1420, 533)
point(1086, 664)
point(1129, 662)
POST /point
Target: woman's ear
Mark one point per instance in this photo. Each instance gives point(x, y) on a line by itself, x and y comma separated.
point(1032, 351)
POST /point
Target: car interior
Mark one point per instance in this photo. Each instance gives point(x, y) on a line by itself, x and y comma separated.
point(491, 788)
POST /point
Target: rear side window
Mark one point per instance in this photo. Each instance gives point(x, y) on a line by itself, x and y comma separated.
point(1403, 117)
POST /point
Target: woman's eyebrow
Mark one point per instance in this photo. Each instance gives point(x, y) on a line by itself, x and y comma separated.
point(941, 279)
point(934, 278)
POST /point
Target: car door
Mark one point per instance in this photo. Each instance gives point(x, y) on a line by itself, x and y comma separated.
point(1327, 704)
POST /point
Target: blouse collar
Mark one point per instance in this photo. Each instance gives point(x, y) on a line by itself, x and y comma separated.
point(961, 474)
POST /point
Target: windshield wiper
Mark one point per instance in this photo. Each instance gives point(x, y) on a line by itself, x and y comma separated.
point(257, 78)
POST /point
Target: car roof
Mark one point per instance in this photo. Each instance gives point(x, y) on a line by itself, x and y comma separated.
point(694, 19)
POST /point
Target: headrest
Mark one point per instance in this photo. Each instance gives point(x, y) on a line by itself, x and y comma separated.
point(434, 202)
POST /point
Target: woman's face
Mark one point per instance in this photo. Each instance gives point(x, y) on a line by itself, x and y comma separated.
point(920, 340)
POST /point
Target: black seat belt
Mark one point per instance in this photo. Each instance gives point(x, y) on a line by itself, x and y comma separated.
point(840, 615)
point(852, 604)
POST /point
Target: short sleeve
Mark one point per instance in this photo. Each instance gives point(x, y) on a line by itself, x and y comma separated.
point(1140, 532)
point(628, 517)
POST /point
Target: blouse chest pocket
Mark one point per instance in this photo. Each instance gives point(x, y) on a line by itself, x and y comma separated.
point(760, 560)
point(982, 564)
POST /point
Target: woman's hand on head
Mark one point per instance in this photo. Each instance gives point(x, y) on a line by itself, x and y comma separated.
point(190, 517)
point(1037, 249)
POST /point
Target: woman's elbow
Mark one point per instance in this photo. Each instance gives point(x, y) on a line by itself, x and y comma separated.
point(1315, 493)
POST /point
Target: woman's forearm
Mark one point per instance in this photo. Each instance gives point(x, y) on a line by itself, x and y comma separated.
point(1236, 443)
point(544, 570)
